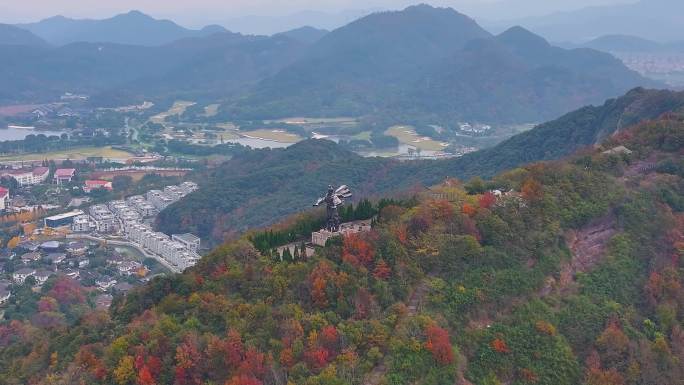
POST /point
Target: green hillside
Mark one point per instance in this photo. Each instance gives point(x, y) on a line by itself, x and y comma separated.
point(574, 276)
point(259, 188)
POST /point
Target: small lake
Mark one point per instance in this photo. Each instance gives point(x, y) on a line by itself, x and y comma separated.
point(19, 133)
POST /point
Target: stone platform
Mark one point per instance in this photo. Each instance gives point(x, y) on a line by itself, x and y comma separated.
point(319, 238)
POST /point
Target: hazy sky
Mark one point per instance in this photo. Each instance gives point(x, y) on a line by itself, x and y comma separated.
point(212, 11)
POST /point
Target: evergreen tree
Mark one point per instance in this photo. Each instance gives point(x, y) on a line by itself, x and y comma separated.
point(287, 256)
point(302, 248)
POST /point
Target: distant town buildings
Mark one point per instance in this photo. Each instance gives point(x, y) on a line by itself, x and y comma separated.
point(60, 220)
point(4, 291)
point(70, 97)
point(82, 224)
point(127, 217)
point(162, 199)
point(64, 175)
point(4, 198)
point(91, 185)
point(474, 128)
point(25, 177)
point(19, 276)
point(190, 241)
point(104, 220)
point(176, 253)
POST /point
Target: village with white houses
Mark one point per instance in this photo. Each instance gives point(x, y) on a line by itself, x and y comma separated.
point(109, 246)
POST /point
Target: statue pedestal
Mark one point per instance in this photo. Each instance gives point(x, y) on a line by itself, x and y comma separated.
point(319, 238)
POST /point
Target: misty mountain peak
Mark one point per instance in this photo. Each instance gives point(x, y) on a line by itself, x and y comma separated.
point(522, 37)
point(135, 14)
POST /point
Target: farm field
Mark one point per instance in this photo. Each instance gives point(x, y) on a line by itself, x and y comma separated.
point(136, 175)
point(17, 109)
point(365, 135)
point(306, 121)
point(72, 153)
point(407, 135)
point(275, 135)
point(211, 110)
point(178, 108)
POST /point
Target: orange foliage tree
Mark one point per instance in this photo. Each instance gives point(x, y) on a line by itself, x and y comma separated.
point(468, 210)
point(244, 380)
point(500, 346)
point(531, 189)
point(438, 343)
point(487, 200)
point(357, 251)
point(382, 270)
point(234, 348)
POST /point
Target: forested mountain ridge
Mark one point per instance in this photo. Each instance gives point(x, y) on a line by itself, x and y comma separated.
point(305, 34)
point(659, 20)
point(132, 28)
point(436, 65)
point(257, 188)
point(419, 65)
point(115, 74)
point(478, 289)
point(569, 133)
point(11, 35)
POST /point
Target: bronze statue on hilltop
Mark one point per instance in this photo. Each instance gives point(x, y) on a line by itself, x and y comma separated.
point(333, 199)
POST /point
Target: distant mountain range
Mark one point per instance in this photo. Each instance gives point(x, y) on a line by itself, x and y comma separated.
point(134, 28)
point(11, 35)
point(269, 25)
point(239, 194)
point(419, 65)
point(213, 66)
point(436, 64)
point(305, 34)
point(658, 20)
point(627, 43)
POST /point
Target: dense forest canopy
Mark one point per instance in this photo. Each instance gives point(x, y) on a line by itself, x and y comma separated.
point(257, 188)
point(570, 273)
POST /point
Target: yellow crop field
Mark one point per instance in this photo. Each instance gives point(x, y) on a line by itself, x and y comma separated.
point(407, 135)
point(79, 153)
point(178, 108)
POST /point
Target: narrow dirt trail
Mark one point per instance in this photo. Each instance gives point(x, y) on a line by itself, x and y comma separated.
point(378, 373)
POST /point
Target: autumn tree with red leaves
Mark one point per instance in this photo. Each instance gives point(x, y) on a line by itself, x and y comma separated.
point(287, 358)
point(319, 278)
point(67, 291)
point(357, 251)
point(468, 210)
point(318, 358)
point(329, 337)
point(145, 376)
point(487, 200)
point(531, 190)
point(188, 358)
point(243, 380)
point(500, 346)
point(234, 348)
point(254, 363)
point(382, 270)
point(439, 344)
